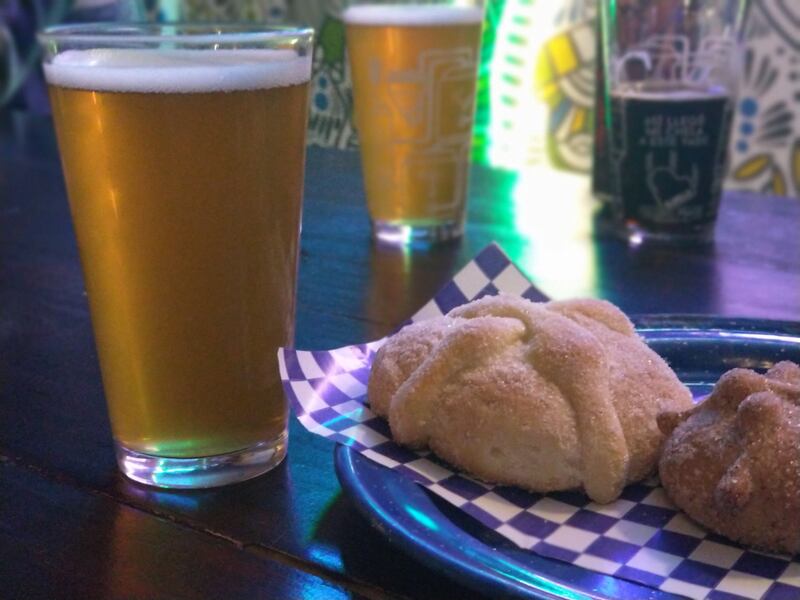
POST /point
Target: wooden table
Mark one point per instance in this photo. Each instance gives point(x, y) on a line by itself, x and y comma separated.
point(72, 527)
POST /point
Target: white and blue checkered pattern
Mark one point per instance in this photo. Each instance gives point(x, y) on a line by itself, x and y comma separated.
point(640, 537)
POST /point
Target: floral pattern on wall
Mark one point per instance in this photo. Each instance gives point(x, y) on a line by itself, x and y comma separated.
point(765, 140)
point(330, 121)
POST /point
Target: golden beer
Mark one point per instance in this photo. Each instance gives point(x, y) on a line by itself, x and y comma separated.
point(414, 69)
point(184, 172)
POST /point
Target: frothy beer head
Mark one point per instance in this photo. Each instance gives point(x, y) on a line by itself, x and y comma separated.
point(417, 15)
point(177, 71)
point(669, 92)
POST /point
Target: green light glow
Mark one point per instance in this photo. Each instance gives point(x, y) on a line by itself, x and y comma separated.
point(608, 20)
point(540, 80)
point(550, 211)
point(519, 36)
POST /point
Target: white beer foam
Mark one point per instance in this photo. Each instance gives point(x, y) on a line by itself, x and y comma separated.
point(424, 15)
point(177, 71)
point(675, 95)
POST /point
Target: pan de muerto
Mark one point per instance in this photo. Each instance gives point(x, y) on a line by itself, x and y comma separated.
point(732, 463)
point(545, 396)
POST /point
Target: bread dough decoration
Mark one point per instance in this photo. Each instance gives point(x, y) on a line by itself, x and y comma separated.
point(732, 463)
point(545, 396)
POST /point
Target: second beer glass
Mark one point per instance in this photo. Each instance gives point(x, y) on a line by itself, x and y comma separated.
point(414, 68)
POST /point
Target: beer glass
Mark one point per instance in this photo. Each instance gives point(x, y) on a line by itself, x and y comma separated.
point(183, 152)
point(414, 68)
point(672, 69)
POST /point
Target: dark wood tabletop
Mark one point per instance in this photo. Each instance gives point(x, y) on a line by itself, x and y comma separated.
point(72, 527)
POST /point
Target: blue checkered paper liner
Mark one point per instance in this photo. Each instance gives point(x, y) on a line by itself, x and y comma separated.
point(641, 537)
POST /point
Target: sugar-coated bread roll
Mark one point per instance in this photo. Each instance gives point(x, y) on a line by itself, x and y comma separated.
point(732, 463)
point(546, 396)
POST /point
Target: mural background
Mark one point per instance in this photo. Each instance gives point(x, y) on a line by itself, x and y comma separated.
point(542, 82)
point(765, 141)
point(535, 92)
point(536, 87)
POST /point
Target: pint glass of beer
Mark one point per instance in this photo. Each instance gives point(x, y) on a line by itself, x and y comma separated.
point(414, 68)
point(183, 152)
point(672, 69)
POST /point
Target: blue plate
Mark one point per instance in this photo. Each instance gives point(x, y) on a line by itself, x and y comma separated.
point(699, 349)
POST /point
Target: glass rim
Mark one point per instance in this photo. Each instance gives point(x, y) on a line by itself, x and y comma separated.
point(179, 32)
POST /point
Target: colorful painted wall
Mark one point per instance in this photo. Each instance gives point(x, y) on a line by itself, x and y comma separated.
point(535, 93)
point(535, 96)
point(542, 69)
point(765, 141)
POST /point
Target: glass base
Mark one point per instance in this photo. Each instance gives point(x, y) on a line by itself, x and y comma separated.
point(397, 234)
point(203, 472)
point(636, 235)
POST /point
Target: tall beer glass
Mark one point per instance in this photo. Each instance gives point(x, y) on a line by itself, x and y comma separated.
point(183, 151)
point(414, 68)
